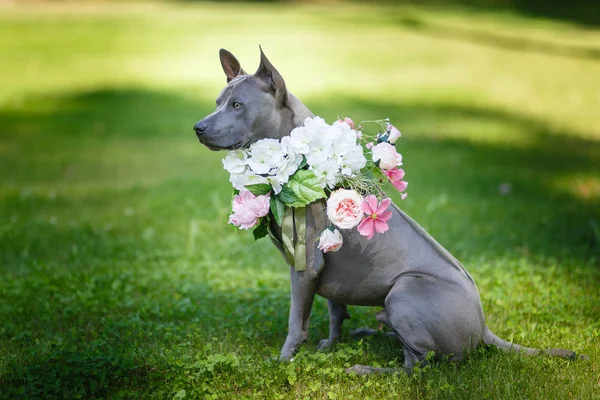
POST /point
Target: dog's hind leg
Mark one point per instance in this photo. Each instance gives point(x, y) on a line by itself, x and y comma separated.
point(427, 317)
point(337, 314)
point(412, 356)
point(410, 361)
point(365, 331)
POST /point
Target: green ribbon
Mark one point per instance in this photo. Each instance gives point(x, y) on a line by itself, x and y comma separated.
point(294, 219)
point(300, 247)
point(287, 234)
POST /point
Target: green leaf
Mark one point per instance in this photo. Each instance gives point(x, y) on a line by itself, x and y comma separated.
point(259, 189)
point(261, 229)
point(303, 163)
point(286, 195)
point(277, 209)
point(233, 194)
point(380, 176)
point(373, 172)
point(305, 187)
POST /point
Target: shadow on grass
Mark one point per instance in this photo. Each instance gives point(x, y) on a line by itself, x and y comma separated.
point(582, 12)
point(96, 372)
point(500, 38)
point(514, 43)
point(478, 197)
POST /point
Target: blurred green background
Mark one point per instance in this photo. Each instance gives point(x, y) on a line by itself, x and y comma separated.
point(120, 276)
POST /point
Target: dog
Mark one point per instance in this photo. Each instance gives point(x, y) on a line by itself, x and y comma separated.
point(431, 303)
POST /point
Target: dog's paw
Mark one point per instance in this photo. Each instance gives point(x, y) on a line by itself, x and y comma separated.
point(286, 356)
point(325, 344)
point(359, 369)
point(362, 332)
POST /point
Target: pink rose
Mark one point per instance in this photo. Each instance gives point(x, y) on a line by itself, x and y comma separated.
point(344, 208)
point(248, 208)
point(395, 176)
point(394, 133)
point(330, 240)
point(348, 121)
point(387, 156)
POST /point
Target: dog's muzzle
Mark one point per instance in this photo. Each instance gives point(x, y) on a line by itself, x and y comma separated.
point(199, 128)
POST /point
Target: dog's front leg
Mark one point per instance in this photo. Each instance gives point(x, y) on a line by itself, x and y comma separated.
point(303, 294)
point(304, 283)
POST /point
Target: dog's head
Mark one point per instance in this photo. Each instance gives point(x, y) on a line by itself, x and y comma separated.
point(249, 108)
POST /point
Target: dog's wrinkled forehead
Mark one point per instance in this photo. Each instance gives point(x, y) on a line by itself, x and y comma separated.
point(239, 88)
point(232, 89)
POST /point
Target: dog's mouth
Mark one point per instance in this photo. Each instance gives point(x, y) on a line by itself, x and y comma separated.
point(233, 147)
point(242, 144)
point(212, 147)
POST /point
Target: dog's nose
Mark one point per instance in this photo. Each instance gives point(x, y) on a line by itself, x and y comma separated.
point(199, 128)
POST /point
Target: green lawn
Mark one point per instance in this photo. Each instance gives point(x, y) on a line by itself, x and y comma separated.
point(119, 274)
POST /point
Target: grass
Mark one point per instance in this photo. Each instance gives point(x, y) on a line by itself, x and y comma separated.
point(121, 279)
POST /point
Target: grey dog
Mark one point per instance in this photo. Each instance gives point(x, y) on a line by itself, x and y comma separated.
point(430, 301)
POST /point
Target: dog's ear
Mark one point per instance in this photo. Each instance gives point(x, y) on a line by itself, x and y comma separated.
point(268, 74)
point(231, 66)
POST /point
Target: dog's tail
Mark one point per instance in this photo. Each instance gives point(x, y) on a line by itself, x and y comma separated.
point(490, 338)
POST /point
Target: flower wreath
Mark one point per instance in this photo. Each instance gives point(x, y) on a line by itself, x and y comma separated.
point(337, 162)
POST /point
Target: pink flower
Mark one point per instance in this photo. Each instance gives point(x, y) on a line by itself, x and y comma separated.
point(348, 121)
point(330, 240)
point(369, 145)
point(395, 176)
point(387, 156)
point(394, 133)
point(344, 208)
point(377, 216)
point(248, 208)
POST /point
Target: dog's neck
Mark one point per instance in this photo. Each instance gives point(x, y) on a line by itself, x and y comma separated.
point(300, 111)
point(290, 116)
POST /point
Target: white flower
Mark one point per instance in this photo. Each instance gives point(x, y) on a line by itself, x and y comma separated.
point(286, 169)
point(320, 144)
point(299, 140)
point(344, 132)
point(265, 155)
point(235, 162)
point(352, 161)
point(330, 240)
point(288, 147)
point(328, 173)
point(316, 124)
point(347, 152)
point(275, 183)
point(249, 178)
point(344, 208)
point(387, 156)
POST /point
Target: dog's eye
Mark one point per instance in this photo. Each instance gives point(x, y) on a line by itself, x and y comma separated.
point(236, 104)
